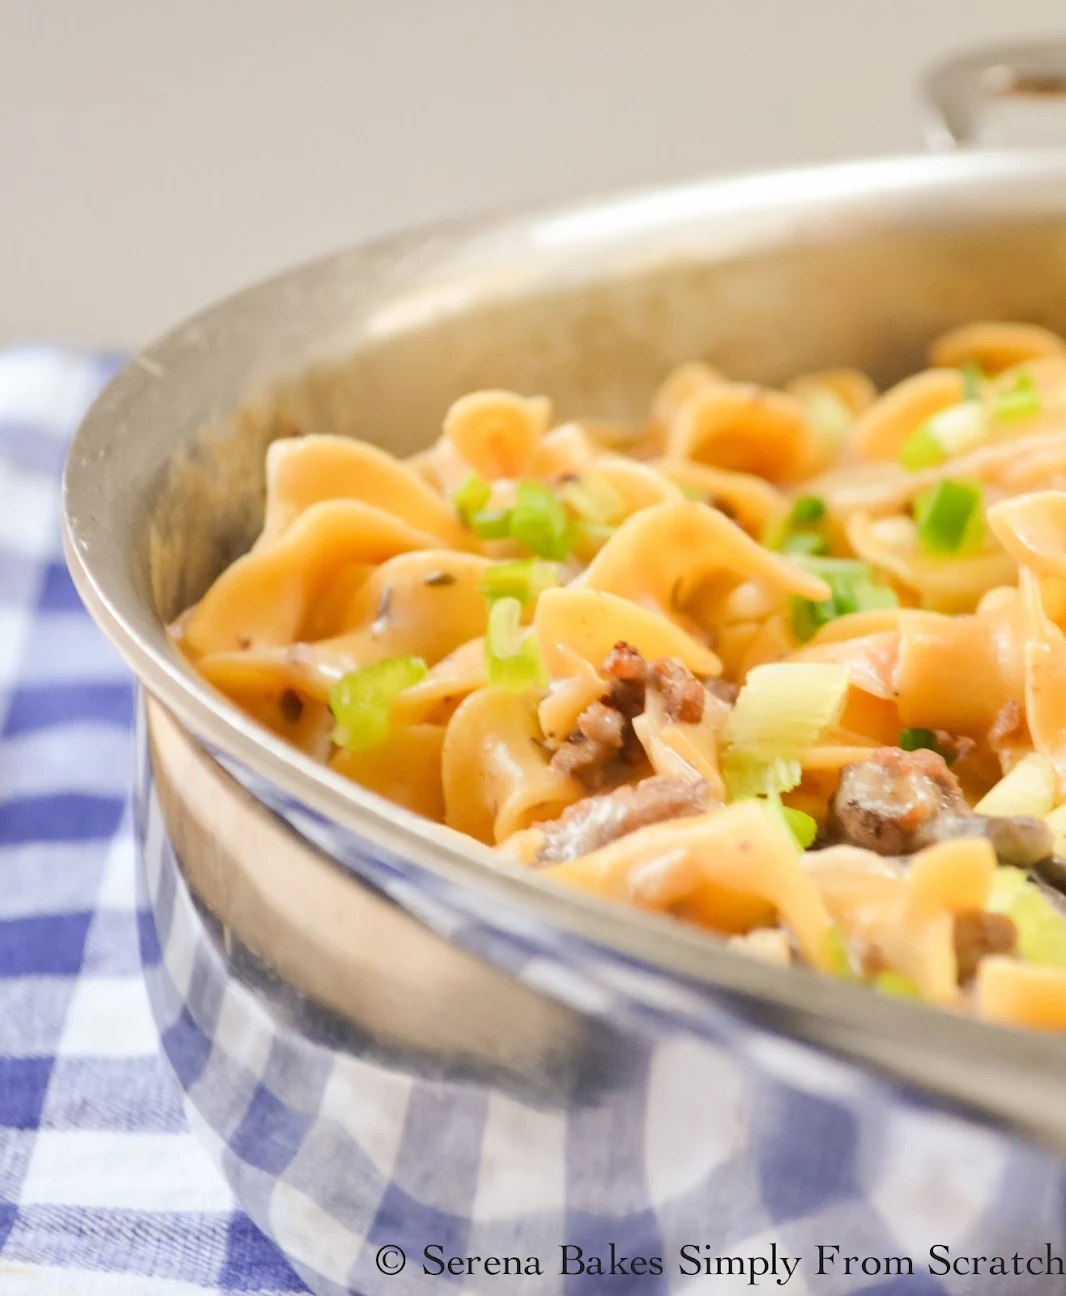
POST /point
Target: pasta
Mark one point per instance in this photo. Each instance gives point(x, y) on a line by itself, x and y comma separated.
point(788, 665)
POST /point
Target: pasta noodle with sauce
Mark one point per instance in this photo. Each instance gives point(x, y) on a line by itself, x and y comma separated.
point(787, 665)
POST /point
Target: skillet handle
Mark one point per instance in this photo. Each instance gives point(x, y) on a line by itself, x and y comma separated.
point(959, 91)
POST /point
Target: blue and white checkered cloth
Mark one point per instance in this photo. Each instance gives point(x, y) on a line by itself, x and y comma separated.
point(103, 1190)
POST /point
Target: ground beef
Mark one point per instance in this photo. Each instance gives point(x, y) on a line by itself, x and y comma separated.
point(591, 750)
point(602, 724)
point(631, 676)
point(888, 802)
point(597, 820)
point(628, 672)
point(978, 934)
point(1018, 840)
point(899, 802)
point(681, 692)
point(602, 747)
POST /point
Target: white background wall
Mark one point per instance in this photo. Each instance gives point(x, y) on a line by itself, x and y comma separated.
point(155, 154)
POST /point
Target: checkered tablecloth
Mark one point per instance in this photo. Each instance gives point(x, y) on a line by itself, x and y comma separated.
point(103, 1190)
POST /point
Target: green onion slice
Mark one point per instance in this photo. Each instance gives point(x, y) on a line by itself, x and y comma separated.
point(361, 701)
point(512, 660)
point(523, 579)
point(802, 826)
point(830, 416)
point(853, 590)
point(972, 378)
point(804, 542)
point(472, 496)
point(919, 739)
point(491, 524)
point(797, 533)
point(747, 774)
point(1019, 402)
point(950, 518)
point(807, 510)
point(921, 450)
point(594, 500)
point(540, 522)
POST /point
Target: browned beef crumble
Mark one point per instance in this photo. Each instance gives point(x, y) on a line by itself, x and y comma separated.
point(593, 746)
point(897, 802)
point(681, 692)
point(603, 747)
point(978, 934)
point(887, 802)
point(597, 820)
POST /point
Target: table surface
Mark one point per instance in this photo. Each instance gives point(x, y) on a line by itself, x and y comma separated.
point(154, 157)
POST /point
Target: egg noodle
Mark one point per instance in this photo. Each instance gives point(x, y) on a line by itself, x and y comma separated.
point(787, 664)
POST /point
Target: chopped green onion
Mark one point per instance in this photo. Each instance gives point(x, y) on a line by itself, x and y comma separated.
point(950, 518)
point(835, 569)
point(896, 985)
point(800, 824)
point(472, 496)
point(830, 416)
point(804, 542)
point(951, 432)
point(539, 521)
point(807, 510)
point(782, 708)
point(972, 378)
point(594, 500)
point(923, 739)
point(869, 597)
point(853, 590)
point(1041, 928)
point(1020, 401)
point(921, 450)
point(491, 524)
point(796, 534)
point(747, 775)
point(362, 700)
point(511, 660)
point(804, 827)
point(808, 617)
point(523, 579)
point(959, 428)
